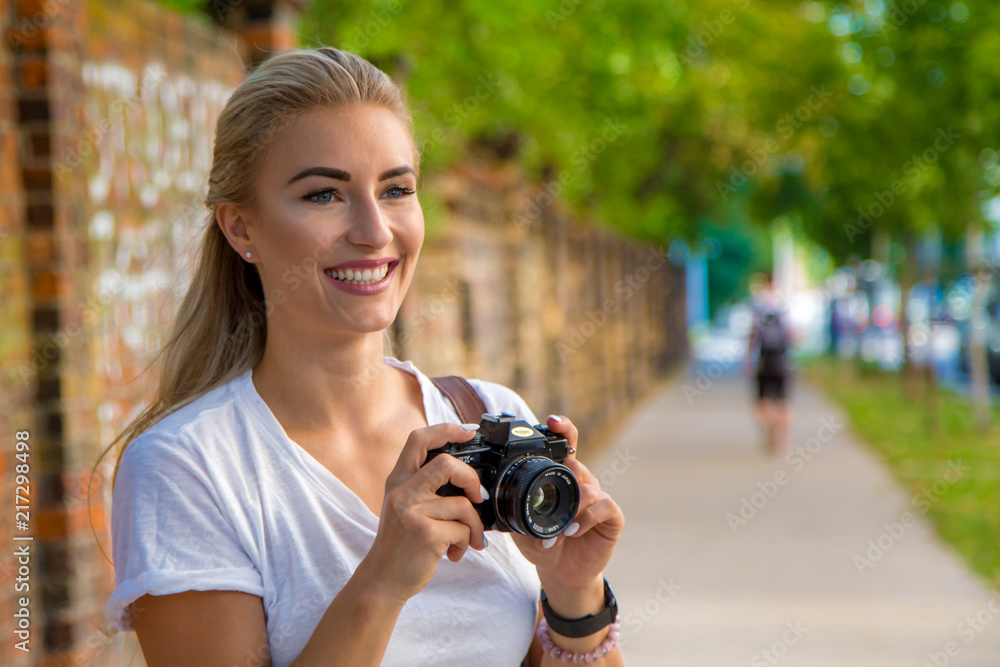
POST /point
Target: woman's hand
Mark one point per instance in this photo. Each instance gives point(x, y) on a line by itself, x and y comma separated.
point(576, 559)
point(417, 527)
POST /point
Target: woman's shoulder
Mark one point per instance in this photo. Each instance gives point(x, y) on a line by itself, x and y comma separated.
point(211, 412)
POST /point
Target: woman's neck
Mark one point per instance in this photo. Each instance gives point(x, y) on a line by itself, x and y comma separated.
point(328, 388)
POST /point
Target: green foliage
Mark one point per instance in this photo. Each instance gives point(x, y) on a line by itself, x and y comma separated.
point(738, 251)
point(927, 78)
point(190, 6)
point(654, 115)
point(966, 512)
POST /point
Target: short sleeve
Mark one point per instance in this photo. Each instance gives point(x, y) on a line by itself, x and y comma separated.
point(170, 531)
point(499, 398)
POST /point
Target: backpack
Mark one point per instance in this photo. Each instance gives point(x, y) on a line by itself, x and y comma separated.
point(774, 343)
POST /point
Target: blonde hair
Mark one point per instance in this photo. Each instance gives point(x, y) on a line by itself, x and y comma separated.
point(221, 326)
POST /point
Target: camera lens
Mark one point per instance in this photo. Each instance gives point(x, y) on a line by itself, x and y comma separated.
point(545, 499)
point(537, 496)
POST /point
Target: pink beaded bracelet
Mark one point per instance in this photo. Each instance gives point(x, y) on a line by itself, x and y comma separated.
point(590, 657)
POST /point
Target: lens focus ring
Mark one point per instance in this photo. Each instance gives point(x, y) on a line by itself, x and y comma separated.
point(537, 497)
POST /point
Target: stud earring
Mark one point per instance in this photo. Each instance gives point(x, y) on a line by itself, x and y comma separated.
point(248, 253)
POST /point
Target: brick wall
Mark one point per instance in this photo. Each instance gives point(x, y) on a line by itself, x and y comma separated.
point(15, 339)
point(131, 155)
point(107, 110)
point(117, 104)
point(579, 320)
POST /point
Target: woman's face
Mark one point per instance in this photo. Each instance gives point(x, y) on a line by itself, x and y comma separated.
point(337, 227)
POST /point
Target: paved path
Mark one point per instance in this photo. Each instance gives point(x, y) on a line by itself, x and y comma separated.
point(693, 591)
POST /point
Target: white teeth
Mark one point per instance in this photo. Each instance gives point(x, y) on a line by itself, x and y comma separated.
point(361, 277)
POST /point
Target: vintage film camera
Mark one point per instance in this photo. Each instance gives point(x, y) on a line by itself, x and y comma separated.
point(531, 492)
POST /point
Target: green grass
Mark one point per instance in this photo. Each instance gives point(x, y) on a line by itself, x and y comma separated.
point(965, 511)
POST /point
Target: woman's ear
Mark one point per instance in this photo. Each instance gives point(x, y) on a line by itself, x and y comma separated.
point(231, 220)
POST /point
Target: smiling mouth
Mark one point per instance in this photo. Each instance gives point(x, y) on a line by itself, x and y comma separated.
point(361, 276)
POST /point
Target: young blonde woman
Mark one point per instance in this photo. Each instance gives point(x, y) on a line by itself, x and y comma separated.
point(272, 506)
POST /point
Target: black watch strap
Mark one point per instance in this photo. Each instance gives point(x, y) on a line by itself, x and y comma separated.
point(588, 625)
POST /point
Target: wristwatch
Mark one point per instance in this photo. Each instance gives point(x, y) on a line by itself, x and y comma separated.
point(587, 625)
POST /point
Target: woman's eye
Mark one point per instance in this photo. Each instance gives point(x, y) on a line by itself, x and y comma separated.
point(321, 196)
point(401, 190)
point(327, 195)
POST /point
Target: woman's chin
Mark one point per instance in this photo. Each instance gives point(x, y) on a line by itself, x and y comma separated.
point(334, 324)
point(371, 326)
point(366, 328)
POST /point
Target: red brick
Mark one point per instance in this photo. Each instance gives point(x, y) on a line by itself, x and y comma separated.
point(34, 72)
point(50, 523)
point(46, 286)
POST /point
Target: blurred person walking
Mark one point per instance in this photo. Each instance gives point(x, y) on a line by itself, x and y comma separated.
point(767, 353)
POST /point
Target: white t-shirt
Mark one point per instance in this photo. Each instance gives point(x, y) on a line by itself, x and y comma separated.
point(215, 496)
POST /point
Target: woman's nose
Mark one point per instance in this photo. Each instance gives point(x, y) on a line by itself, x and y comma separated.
point(370, 226)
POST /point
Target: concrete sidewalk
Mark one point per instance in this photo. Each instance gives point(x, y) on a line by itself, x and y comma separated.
point(730, 558)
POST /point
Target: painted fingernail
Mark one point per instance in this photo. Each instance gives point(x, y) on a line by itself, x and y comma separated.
point(549, 542)
point(573, 527)
point(556, 417)
point(484, 493)
point(486, 541)
point(470, 427)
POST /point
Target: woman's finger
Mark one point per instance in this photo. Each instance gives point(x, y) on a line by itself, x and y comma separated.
point(456, 552)
point(460, 510)
point(581, 472)
point(421, 440)
point(604, 513)
point(589, 494)
point(445, 537)
point(446, 469)
point(564, 427)
point(458, 537)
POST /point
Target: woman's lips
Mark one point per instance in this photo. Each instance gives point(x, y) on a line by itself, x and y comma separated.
point(362, 264)
point(362, 277)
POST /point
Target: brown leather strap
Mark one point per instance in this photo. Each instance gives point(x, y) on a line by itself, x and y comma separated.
point(468, 404)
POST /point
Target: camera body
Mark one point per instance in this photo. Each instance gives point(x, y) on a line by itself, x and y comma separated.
point(520, 466)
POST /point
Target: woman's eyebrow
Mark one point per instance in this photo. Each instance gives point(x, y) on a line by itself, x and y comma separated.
point(342, 175)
